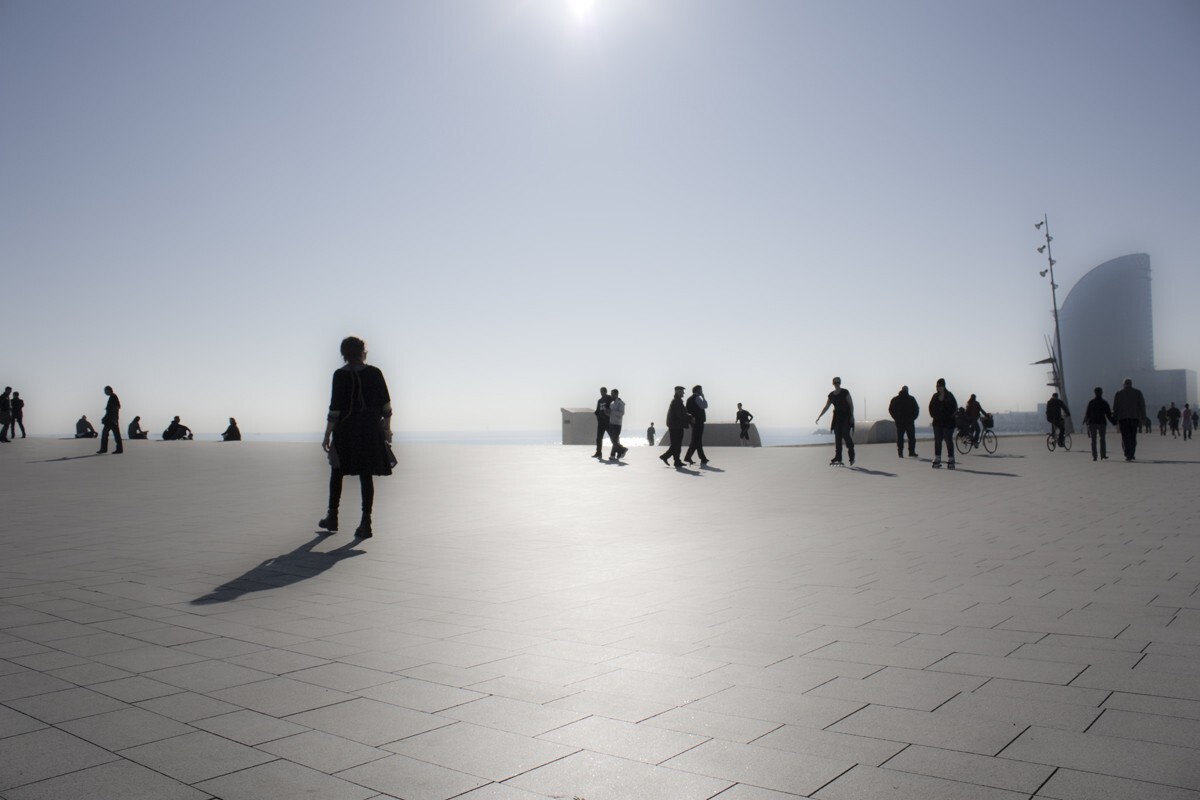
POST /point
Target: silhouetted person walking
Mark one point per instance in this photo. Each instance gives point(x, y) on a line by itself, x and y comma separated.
point(135, 431)
point(677, 420)
point(616, 417)
point(5, 413)
point(1129, 407)
point(942, 408)
point(650, 434)
point(1162, 421)
point(1173, 415)
point(1095, 416)
point(232, 434)
point(601, 421)
point(1189, 418)
point(904, 412)
point(697, 409)
point(358, 430)
point(84, 429)
point(843, 421)
point(18, 416)
point(111, 421)
point(744, 418)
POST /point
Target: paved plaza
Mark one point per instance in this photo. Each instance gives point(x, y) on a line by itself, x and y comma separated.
point(531, 623)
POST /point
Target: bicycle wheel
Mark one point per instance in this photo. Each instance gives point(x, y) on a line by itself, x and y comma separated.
point(1067, 442)
point(989, 442)
point(963, 442)
point(1050, 443)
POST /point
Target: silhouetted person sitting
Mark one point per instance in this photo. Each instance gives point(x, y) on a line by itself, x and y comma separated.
point(232, 434)
point(84, 429)
point(135, 429)
point(176, 431)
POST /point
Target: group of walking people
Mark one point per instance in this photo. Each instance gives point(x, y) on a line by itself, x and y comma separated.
point(12, 415)
point(1170, 418)
point(682, 415)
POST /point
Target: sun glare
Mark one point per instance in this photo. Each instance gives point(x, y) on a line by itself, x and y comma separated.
point(582, 10)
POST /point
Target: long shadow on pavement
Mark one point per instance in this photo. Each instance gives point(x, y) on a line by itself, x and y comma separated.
point(877, 472)
point(68, 458)
point(989, 474)
point(283, 570)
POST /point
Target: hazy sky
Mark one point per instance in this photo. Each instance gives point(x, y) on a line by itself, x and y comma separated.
point(515, 201)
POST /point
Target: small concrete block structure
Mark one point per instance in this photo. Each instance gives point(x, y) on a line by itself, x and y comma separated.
point(578, 426)
point(876, 432)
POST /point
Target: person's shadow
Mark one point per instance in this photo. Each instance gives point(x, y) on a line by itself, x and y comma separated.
point(283, 570)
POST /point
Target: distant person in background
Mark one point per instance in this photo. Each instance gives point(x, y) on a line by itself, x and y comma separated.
point(601, 421)
point(696, 407)
point(5, 413)
point(18, 416)
point(84, 429)
point(974, 411)
point(111, 423)
point(1129, 407)
point(1145, 426)
point(1162, 421)
point(1188, 423)
point(358, 430)
point(942, 408)
point(843, 421)
point(1056, 414)
point(1095, 416)
point(677, 420)
point(1173, 415)
point(616, 416)
point(177, 431)
point(650, 434)
point(904, 412)
point(135, 429)
point(232, 434)
point(744, 418)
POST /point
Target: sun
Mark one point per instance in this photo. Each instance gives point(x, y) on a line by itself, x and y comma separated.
point(582, 10)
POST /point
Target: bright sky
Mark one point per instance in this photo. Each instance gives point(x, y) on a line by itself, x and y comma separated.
point(516, 201)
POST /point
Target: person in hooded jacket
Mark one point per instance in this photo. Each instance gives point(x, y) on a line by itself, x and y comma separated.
point(904, 411)
point(942, 408)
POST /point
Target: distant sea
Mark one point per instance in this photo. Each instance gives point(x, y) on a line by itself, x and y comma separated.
point(770, 437)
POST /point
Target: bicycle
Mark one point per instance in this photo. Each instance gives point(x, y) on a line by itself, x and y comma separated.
point(965, 440)
point(1052, 441)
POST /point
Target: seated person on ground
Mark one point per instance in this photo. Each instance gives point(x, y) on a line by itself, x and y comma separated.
point(232, 434)
point(135, 429)
point(176, 431)
point(84, 429)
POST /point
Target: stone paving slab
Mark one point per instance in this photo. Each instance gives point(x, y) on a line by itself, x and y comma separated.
point(531, 623)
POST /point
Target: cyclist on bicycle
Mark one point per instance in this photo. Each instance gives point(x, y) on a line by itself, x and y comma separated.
point(1056, 414)
point(974, 413)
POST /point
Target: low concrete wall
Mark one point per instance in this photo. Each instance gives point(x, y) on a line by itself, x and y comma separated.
point(720, 434)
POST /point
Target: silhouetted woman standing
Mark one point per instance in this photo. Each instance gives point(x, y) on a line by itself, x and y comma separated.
point(360, 427)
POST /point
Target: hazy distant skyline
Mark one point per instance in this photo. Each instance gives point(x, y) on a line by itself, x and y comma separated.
point(517, 201)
